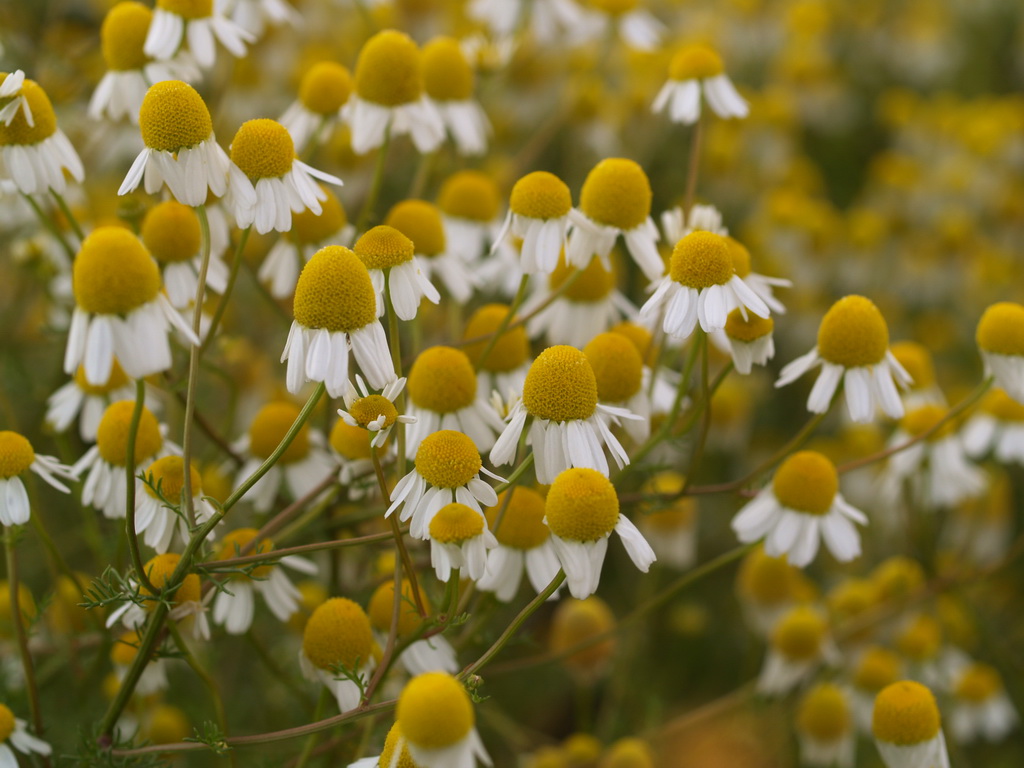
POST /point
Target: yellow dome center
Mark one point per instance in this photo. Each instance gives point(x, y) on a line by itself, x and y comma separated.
point(448, 459)
point(695, 62)
point(387, 754)
point(113, 273)
point(560, 385)
point(510, 351)
point(917, 361)
point(522, 525)
point(898, 577)
point(118, 378)
point(540, 195)
point(187, 9)
point(171, 232)
point(112, 434)
point(173, 116)
point(125, 649)
point(167, 724)
point(19, 132)
point(434, 711)
point(6, 722)
point(616, 193)
point(420, 221)
point(853, 333)
point(168, 474)
point(263, 149)
point(447, 75)
point(978, 683)
point(749, 330)
point(384, 247)
point(740, 256)
point(921, 640)
point(455, 523)
point(637, 334)
point(700, 260)
point(351, 442)
point(309, 228)
point(160, 569)
point(338, 634)
point(766, 579)
point(1001, 329)
point(442, 380)
point(920, 420)
point(269, 428)
point(905, 713)
point(16, 454)
point(877, 668)
point(1002, 406)
point(389, 70)
point(232, 545)
point(582, 505)
point(335, 292)
point(470, 195)
point(123, 35)
point(382, 606)
point(806, 482)
point(578, 620)
point(370, 408)
point(593, 284)
point(799, 634)
point(325, 88)
point(824, 713)
point(618, 368)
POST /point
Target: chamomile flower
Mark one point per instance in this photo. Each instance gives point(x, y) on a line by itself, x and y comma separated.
point(799, 644)
point(671, 526)
point(1000, 338)
point(615, 200)
point(447, 469)
point(538, 214)
point(17, 457)
point(448, 80)
point(582, 510)
point(373, 412)
point(152, 513)
point(802, 506)
point(762, 285)
point(15, 730)
point(34, 152)
point(444, 393)
point(768, 588)
point(524, 544)
point(853, 348)
point(701, 286)
point(194, 23)
point(919, 642)
point(335, 309)
point(337, 645)
point(570, 427)
point(436, 722)
point(579, 622)
point(350, 447)
point(323, 91)
point(120, 311)
point(917, 362)
point(234, 605)
point(750, 340)
point(907, 727)
point(186, 601)
point(171, 232)
point(981, 706)
point(505, 367)
point(677, 224)
point(825, 728)
point(875, 668)
point(81, 400)
point(638, 28)
point(389, 99)
point(181, 150)
point(698, 70)
point(459, 538)
point(421, 222)
point(427, 655)
point(470, 204)
point(130, 71)
point(390, 258)
point(619, 373)
point(254, 16)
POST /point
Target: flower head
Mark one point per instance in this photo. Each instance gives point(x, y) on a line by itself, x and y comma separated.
point(436, 720)
point(697, 69)
point(907, 727)
point(337, 639)
point(1000, 338)
point(17, 457)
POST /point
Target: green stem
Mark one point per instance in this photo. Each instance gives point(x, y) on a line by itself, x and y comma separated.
point(698, 449)
point(72, 221)
point(520, 295)
point(50, 226)
point(275, 669)
point(378, 179)
point(275, 555)
point(129, 471)
point(307, 747)
point(524, 465)
point(218, 314)
point(397, 534)
point(692, 168)
point(395, 343)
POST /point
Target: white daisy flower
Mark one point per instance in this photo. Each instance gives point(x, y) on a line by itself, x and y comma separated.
point(907, 727)
point(373, 412)
point(470, 206)
point(677, 224)
point(507, 363)
point(436, 723)
point(697, 70)
point(160, 515)
point(429, 654)
point(448, 81)
point(459, 539)
point(13, 99)
point(524, 544)
point(538, 214)
point(390, 258)
point(81, 400)
point(749, 340)
point(917, 362)
point(825, 728)
point(1001, 341)
point(619, 372)
point(177, 23)
point(762, 285)
point(323, 92)
point(799, 644)
point(981, 706)
point(337, 646)
point(254, 16)
point(17, 457)
point(768, 588)
point(874, 668)
point(14, 733)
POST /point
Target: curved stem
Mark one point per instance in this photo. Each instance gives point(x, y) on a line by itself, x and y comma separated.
point(378, 179)
point(524, 465)
point(129, 471)
point(50, 226)
point(72, 221)
point(396, 532)
point(307, 748)
point(218, 314)
point(302, 549)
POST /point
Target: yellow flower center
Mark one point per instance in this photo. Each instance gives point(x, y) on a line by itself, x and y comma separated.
point(263, 149)
point(560, 385)
point(852, 597)
point(382, 605)
point(455, 523)
point(370, 408)
point(167, 724)
point(160, 569)
point(511, 350)
point(695, 62)
point(118, 378)
point(43, 117)
point(325, 88)
point(920, 420)
point(434, 711)
point(389, 70)
point(593, 284)
point(420, 221)
point(799, 634)
point(168, 474)
point(898, 577)
point(522, 525)
point(442, 380)
point(540, 195)
point(171, 232)
point(824, 713)
point(470, 195)
point(112, 434)
point(637, 334)
point(113, 273)
point(629, 753)
point(582, 505)
point(187, 9)
point(917, 361)
point(578, 620)
point(387, 754)
point(173, 116)
point(978, 683)
point(618, 368)
point(921, 640)
point(233, 543)
point(125, 649)
point(16, 454)
point(335, 292)
point(905, 713)
point(123, 35)
point(1002, 406)
point(749, 330)
point(676, 514)
point(700, 260)
point(853, 333)
point(765, 579)
point(1001, 328)
point(6, 722)
point(384, 247)
point(806, 482)
point(877, 668)
point(617, 193)
point(309, 228)
point(448, 459)
point(338, 634)
point(447, 75)
point(740, 256)
point(614, 7)
point(351, 442)
point(269, 428)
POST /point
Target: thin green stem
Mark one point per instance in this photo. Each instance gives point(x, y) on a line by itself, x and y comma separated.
point(218, 313)
point(129, 471)
point(395, 343)
point(275, 669)
point(693, 166)
point(524, 282)
point(524, 465)
point(388, 656)
point(50, 226)
point(706, 395)
point(378, 179)
point(72, 221)
point(302, 549)
point(307, 747)
point(396, 532)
